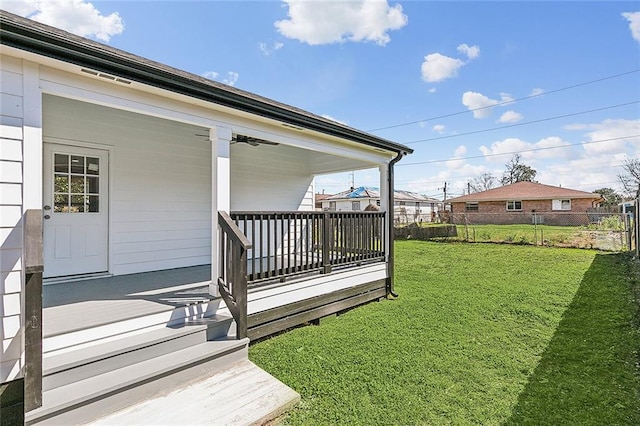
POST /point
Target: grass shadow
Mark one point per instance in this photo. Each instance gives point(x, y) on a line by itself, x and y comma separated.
point(588, 372)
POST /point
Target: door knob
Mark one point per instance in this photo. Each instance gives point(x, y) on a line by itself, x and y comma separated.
point(46, 216)
point(47, 207)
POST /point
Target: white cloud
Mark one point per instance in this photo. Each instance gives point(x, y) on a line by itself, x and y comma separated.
point(438, 128)
point(437, 67)
point(323, 22)
point(471, 52)
point(211, 75)
point(456, 162)
point(460, 151)
point(510, 117)
point(268, 50)
point(619, 129)
point(328, 117)
point(634, 24)
point(478, 103)
point(76, 16)
point(536, 92)
point(506, 99)
point(232, 78)
point(432, 90)
point(501, 151)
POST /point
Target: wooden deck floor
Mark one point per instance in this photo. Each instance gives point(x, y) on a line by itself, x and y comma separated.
point(82, 305)
point(69, 306)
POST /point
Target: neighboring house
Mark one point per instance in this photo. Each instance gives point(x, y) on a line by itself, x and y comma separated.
point(627, 207)
point(408, 206)
point(164, 212)
point(517, 202)
point(318, 200)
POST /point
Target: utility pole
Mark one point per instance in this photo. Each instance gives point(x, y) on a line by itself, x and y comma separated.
point(445, 192)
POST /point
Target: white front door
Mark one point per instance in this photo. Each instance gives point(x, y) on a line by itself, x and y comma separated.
point(75, 210)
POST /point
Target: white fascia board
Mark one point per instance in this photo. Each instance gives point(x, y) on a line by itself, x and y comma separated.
point(67, 80)
point(136, 97)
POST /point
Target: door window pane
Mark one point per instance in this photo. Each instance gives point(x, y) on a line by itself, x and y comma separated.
point(61, 183)
point(74, 178)
point(93, 166)
point(93, 206)
point(77, 204)
point(77, 184)
point(61, 203)
point(77, 164)
point(61, 163)
point(93, 185)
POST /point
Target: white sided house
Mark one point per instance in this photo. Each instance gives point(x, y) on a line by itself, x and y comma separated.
point(408, 206)
point(153, 221)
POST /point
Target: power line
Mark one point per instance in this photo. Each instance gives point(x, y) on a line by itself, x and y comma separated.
point(517, 152)
point(507, 102)
point(573, 168)
point(523, 123)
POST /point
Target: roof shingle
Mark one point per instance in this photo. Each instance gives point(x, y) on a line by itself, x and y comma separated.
point(524, 191)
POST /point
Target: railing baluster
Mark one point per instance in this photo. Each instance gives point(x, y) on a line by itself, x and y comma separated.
point(287, 243)
point(268, 246)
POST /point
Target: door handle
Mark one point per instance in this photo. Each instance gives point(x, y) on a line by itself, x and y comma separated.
point(47, 207)
point(46, 216)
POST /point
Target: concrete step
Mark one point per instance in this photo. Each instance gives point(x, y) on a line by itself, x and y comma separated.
point(241, 394)
point(72, 366)
point(85, 400)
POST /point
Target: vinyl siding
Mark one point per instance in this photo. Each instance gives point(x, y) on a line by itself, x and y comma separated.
point(270, 178)
point(11, 237)
point(160, 173)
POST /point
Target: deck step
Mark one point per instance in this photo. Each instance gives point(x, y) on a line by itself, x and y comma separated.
point(80, 364)
point(94, 397)
point(242, 394)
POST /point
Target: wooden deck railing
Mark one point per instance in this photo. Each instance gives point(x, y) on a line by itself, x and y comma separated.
point(288, 243)
point(232, 280)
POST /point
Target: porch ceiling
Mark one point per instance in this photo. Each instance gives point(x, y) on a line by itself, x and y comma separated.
point(315, 162)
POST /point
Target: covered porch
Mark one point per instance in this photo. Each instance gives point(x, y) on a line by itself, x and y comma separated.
point(292, 266)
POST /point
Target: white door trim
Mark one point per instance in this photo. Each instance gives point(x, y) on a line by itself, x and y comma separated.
point(109, 149)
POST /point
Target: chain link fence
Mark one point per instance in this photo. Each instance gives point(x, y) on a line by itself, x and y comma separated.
point(593, 230)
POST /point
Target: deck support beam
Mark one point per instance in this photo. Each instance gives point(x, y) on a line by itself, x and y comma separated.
point(220, 138)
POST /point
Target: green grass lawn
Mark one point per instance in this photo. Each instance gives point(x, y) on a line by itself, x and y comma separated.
point(481, 334)
point(593, 236)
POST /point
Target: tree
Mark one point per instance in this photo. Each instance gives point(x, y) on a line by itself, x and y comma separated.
point(630, 180)
point(482, 183)
point(611, 197)
point(517, 172)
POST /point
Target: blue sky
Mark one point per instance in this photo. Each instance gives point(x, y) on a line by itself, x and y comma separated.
point(415, 72)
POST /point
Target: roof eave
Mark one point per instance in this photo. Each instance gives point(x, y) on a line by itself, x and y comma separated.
point(45, 44)
point(551, 197)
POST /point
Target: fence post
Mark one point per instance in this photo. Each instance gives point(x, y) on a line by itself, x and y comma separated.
point(628, 230)
point(636, 226)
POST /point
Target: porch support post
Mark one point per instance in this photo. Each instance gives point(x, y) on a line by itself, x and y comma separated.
point(384, 206)
point(220, 138)
point(32, 202)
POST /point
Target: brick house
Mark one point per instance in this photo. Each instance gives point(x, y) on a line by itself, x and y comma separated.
point(517, 203)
